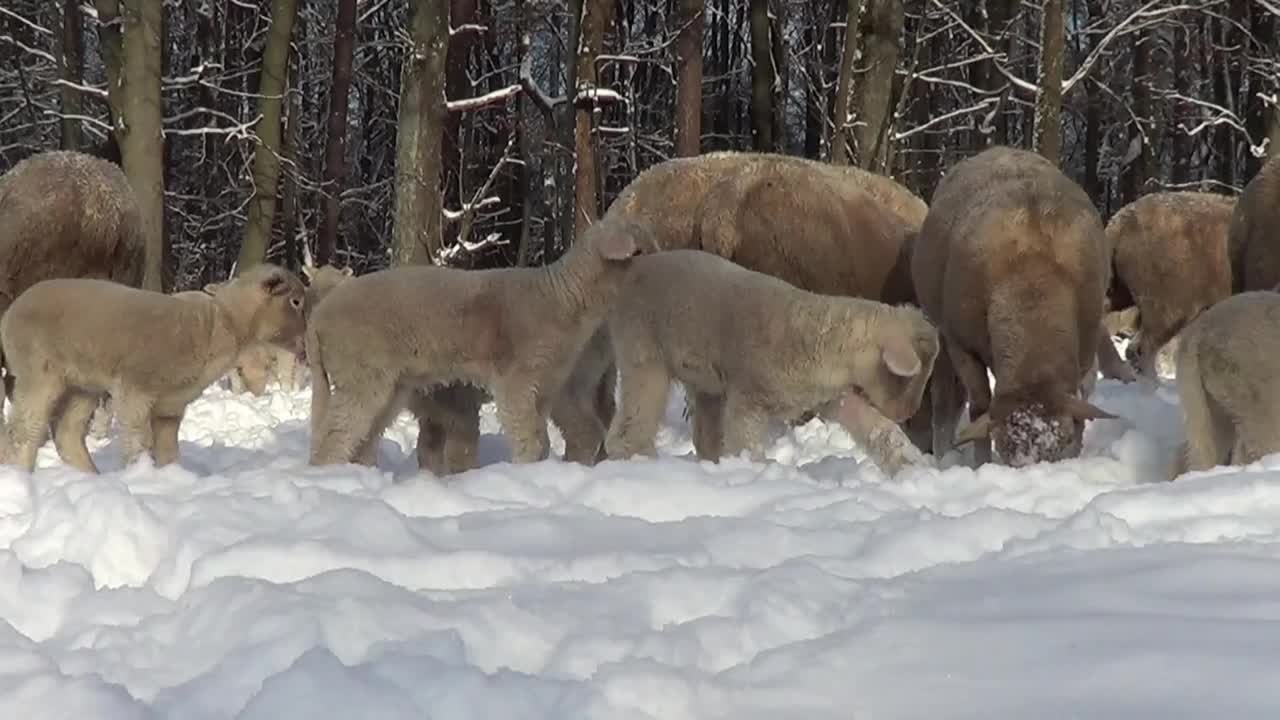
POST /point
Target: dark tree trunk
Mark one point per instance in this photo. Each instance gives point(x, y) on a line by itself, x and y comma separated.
point(335, 148)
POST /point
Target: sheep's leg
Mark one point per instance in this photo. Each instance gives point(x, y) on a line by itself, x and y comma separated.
point(524, 420)
point(973, 376)
point(708, 425)
point(34, 401)
point(643, 400)
point(944, 390)
point(100, 426)
point(745, 424)
point(919, 427)
point(367, 453)
point(71, 427)
point(1255, 438)
point(1109, 362)
point(348, 421)
point(164, 431)
point(133, 414)
point(583, 432)
point(1209, 431)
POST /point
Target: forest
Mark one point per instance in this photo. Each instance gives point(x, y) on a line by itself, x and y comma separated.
point(485, 133)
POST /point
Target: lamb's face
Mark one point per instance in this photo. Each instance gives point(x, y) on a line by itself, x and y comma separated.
point(276, 300)
point(895, 394)
point(1030, 433)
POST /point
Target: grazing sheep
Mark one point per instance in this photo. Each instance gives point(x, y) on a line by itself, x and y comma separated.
point(66, 214)
point(72, 340)
point(1253, 242)
point(1228, 361)
point(747, 347)
point(1170, 261)
point(515, 332)
point(1011, 264)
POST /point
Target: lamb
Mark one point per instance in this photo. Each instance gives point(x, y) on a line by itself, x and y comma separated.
point(515, 332)
point(66, 214)
point(1253, 244)
point(72, 340)
point(1228, 359)
point(747, 347)
point(1011, 264)
point(1170, 261)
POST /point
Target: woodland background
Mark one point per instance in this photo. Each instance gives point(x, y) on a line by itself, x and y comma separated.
point(482, 133)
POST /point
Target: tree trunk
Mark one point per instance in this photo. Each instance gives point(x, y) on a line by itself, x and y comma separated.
point(844, 84)
point(596, 17)
point(1047, 139)
point(416, 234)
point(266, 155)
point(1181, 84)
point(1143, 127)
point(289, 196)
point(689, 84)
point(335, 148)
point(567, 124)
point(457, 87)
point(761, 78)
point(780, 71)
point(132, 59)
point(70, 69)
point(881, 29)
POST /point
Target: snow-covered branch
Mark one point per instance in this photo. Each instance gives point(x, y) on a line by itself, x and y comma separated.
point(490, 98)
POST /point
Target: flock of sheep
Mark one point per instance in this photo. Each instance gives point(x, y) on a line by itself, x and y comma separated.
point(770, 287)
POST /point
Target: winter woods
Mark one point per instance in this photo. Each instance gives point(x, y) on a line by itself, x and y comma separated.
point(482, 133)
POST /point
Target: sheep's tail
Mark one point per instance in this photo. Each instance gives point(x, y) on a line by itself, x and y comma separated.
point(319, 385)
point(1204, 446)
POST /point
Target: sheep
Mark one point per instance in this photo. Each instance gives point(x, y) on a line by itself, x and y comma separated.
point(1253, 243)
point(66, 214)
point(515, 332)
point(823, 228)
point(747, 347)
point(1011, 264)
point(72, 340)
point(1170, 261)
point(1227, 361)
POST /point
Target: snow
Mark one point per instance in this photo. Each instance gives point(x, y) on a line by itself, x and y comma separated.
point(246, 584)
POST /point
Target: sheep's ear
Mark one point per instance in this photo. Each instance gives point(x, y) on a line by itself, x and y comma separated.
point(615, 244)
point(308, 271)
point(977, 430)
point(275, 284)
point(899, 356)
point(212, 288)
point(348, 272)
point(1085, 410)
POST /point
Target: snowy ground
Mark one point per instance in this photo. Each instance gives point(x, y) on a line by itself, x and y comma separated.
point(247, 585)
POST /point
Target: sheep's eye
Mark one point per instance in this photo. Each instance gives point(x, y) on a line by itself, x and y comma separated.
point(296, 302)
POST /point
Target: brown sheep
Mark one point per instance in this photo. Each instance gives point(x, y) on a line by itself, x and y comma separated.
point(72, 340)
point(1228, 360)
point(1011, 264)
point(1170, 261)
point(1253, 242)
point(66, 214)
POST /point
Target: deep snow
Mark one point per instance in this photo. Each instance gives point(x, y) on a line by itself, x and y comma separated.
point(247, 585)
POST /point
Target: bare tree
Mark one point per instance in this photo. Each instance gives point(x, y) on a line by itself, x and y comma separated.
point(134, 93)
point(418, 204)
point(335, 148)
point(70, 69)
point(596, 15)
point(761, 77)
point(266, 156)
point(844, 84)
point(1047, 129)
point(688, 110)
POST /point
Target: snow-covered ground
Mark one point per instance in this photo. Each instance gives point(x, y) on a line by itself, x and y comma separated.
point(246, 584)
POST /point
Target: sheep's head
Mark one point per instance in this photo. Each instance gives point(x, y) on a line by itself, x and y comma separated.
point(906, 346)
point(272, 301)
point(618, 239)
point(1026, 429)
